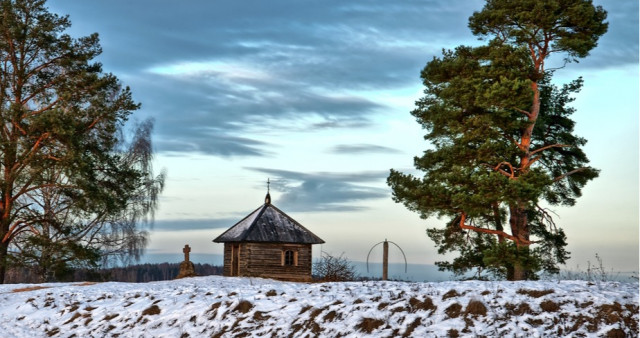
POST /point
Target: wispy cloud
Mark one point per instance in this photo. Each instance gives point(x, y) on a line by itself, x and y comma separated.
point(325, 191)
point(212, 71)
point(194, 224)
point(349, 149)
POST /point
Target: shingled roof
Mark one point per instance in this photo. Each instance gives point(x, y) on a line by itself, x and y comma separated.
point(268, 224)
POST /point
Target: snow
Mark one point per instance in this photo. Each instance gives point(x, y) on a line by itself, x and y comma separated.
point(233, 307)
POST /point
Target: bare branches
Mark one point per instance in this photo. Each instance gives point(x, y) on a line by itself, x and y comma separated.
point(510, 174)
point(518, 241)
point(557, 145)
point(569, 174)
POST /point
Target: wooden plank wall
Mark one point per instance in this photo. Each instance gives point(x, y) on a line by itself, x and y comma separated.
point(265, 260)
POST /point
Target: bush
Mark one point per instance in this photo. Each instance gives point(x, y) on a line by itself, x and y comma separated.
point(333, 269)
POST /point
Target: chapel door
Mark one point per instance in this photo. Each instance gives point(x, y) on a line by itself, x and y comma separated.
point(235, 257)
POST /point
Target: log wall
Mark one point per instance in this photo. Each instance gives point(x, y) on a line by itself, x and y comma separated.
point(266, 260)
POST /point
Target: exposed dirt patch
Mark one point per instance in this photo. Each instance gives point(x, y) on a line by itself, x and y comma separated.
point(475, 308)
point(110, 317)
point(412, 327)
point(616, 333)
point(450, 294)
point(243, 307)
point(453, 311)
point(74, 317)
point(151, 310)
point(271, 293)
point(31, 288)
point(331, 316)
point(534, 293)
point(53, 331)
point(518, 310)
point(417, 305)
point(549, 306)
point(368, 325)
point(260, 316)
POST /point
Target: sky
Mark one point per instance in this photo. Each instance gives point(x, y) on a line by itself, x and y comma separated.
point(315, 96)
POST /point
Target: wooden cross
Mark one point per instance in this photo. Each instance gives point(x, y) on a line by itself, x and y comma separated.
point(186, 251)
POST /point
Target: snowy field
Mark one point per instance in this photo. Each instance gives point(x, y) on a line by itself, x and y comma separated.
point(216, 306)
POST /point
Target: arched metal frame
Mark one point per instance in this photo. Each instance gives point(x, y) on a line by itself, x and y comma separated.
point(399, 248)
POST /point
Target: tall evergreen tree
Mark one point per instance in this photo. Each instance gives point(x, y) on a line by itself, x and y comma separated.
point(60, 116)
point(503, 138)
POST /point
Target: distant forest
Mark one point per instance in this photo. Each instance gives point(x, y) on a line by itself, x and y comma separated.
point(133, 274)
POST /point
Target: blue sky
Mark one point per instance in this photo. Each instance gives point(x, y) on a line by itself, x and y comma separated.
point(315, 96)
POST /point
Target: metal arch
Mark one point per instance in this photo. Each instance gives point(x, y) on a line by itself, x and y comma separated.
point(370, 254)
point(403, 255)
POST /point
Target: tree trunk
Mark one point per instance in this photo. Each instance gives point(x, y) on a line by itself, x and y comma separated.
point(4, 248)
point(519, 229)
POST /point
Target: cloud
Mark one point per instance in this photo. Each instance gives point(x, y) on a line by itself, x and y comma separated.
point(325, 191)
point(214, 71)
point(350, 149)
point(194, 224)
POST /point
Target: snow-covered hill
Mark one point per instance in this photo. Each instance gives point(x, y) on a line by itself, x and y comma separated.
point(248, 307)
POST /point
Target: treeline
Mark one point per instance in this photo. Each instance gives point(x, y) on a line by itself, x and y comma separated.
point(133, 274)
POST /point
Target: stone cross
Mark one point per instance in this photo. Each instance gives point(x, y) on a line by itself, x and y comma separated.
point(186, 251)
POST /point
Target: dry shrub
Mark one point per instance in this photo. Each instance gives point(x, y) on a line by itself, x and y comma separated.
point(426, 304)
point(411, 327)
point(549, 306)
point(243, 307)
point(450, 294)
point(534, 293)
point(368, 325)
point(475, 308)
point(453, 311)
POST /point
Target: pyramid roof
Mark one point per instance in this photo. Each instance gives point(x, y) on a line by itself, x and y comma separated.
point(268, 224)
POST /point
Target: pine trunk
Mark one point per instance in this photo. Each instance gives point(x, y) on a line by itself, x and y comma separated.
point(519, 229)
point(4, 248)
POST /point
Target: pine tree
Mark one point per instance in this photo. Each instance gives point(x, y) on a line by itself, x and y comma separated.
point(503, 138)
